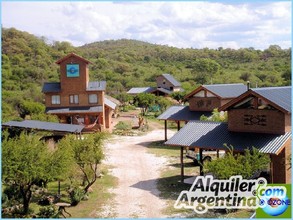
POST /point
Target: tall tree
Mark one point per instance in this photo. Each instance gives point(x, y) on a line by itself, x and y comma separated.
point(144, 101)
point(87, 154)
point(25, 160)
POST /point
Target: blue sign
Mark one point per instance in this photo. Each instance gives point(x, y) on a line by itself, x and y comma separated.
point(72, 70)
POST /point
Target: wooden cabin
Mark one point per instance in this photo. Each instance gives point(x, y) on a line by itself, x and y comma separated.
point(77, 100)
point(209, 97)
point(265, 111)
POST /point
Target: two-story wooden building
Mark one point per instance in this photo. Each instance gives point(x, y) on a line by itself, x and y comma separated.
point(77, 100)
point(166, 84)
point(259, 118)
point(202, 101)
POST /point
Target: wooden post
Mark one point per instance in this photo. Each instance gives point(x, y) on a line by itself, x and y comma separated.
point(59, 193)
point(166, 138)
point(201, 162)
point(182, 164)
point(218, 155)
point(178, 125)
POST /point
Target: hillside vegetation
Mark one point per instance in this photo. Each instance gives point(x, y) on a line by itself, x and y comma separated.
point(29, 61)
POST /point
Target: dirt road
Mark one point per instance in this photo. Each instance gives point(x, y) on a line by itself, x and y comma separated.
point(136, 194)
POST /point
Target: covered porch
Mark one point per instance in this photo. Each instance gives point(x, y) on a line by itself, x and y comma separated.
point(214, 135)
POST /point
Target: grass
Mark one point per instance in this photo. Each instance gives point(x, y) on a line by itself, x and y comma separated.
point(170, 186)
point(90, 208)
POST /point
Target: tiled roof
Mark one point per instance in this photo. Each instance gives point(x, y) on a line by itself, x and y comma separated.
point(227, 90)
point(171, 79)
point(62, 110)
point(41, 125)
point(96, 86)
point(213, 135)
point(281, 96)
point(138, 90)
point(109, 103)
point(181, 113)
point(51, 87)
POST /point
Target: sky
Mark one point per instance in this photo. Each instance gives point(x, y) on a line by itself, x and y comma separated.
point(188, 24)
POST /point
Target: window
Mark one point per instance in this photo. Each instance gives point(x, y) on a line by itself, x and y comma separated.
point(55, 99)
point(73, 99)
point(93, 98)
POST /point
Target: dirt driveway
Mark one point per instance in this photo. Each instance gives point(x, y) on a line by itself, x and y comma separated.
point(136, 194)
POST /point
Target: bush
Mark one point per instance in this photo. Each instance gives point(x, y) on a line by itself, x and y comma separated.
point(76, 195)
point(231, 164)
point(123, 128)
point(48, 212)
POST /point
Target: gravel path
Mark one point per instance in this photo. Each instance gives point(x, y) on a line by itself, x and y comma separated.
point(136, 194)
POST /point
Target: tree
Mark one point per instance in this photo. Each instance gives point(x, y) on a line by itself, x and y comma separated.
point(26, 160)
point(178, 96)
point(231, 164)
point(144, 100)
point(216, 116)
point(163, 103)
point(87, 154)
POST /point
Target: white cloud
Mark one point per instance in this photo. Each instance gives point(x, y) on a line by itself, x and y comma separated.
point(181, 24)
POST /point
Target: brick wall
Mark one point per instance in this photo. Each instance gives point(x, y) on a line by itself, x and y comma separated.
point(258, 121)
point(83, 98)
point(163, 83)
point(280, 172)
point(74, 84)
point(204, 103)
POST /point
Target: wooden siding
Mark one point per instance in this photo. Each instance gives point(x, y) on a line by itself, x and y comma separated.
point(204, 103)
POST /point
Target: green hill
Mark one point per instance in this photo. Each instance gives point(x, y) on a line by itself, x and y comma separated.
point(28, 61)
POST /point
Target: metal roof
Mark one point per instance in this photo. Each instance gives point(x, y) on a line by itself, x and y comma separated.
point(51, 87)
point(63, 110)
point(213, 135)
point(164, 90)
point(109, 103)
point(96, 86)
point(137, 90)
point(227, 90)
point(171, 79)
point(181, 113)
point(281, 96)
point(41, 125)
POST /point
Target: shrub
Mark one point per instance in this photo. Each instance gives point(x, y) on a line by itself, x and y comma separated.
point(76, 195)
point(48, 212)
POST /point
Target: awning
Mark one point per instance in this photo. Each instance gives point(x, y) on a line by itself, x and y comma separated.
point(181, 113)
point(75, 110)
point(45, 126)
point(213, 135)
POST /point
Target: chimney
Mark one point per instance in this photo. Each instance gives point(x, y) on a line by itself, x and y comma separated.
point(248, 85)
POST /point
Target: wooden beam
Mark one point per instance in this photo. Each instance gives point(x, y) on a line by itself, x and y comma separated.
point(166, 138)
point(201, 162)
point(178, 125)
point(181, 164)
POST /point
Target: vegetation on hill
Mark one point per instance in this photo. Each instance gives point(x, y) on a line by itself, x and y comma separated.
point(29, 61)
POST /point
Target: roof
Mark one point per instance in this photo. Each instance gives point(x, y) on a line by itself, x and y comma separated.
point(51, 87)
point(64, 110)
point(181, 113)
point(222, 90)
point(279, 97)
point(72, 55)
point(137, 90)
point(213, 135)
point(116, 101)
point(109, 103)
point(171, 79)
point(166, 91)
point(41, 125)
point(96, 86)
